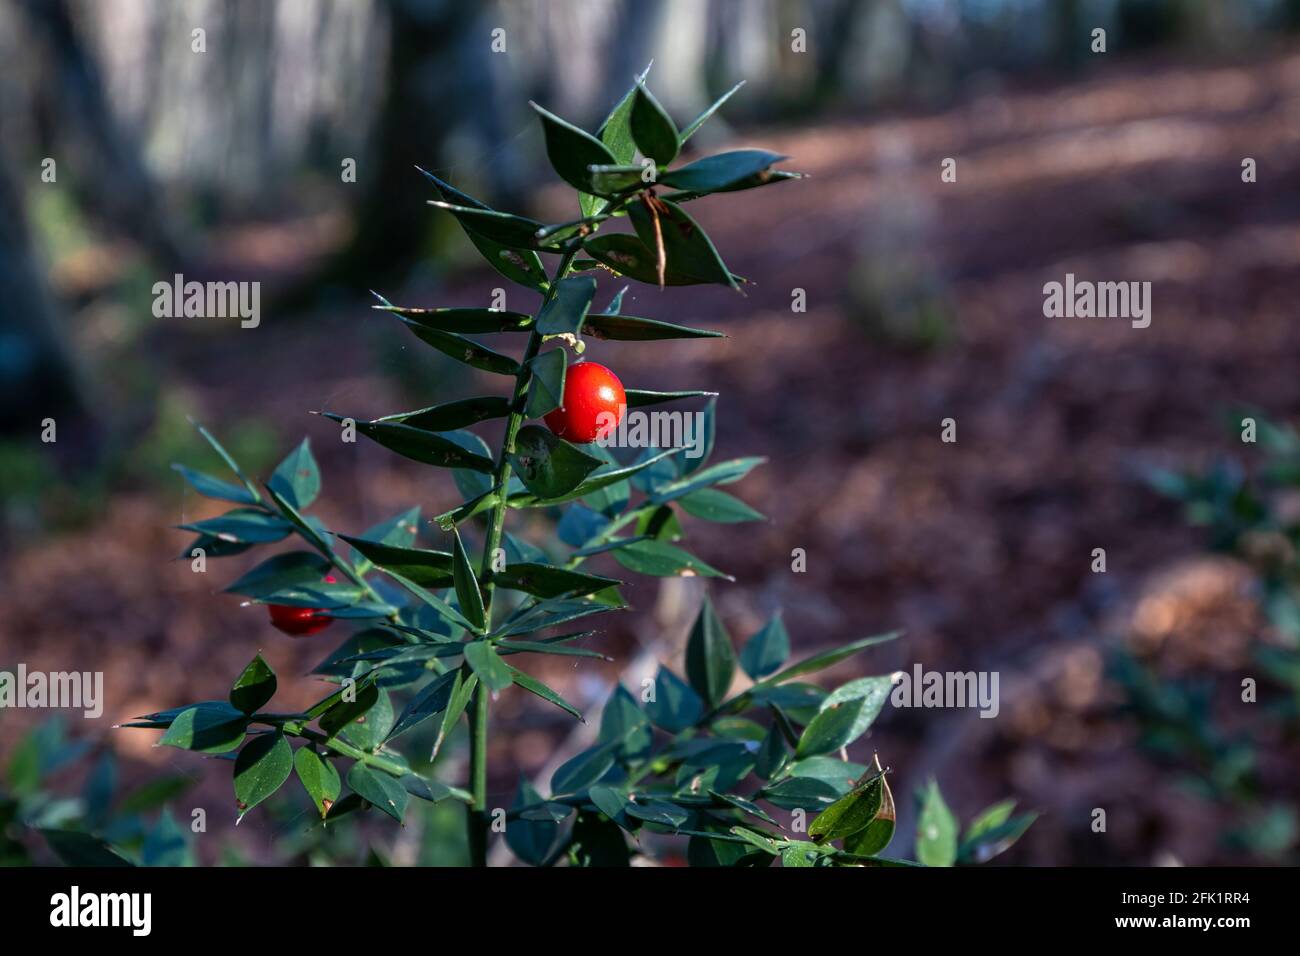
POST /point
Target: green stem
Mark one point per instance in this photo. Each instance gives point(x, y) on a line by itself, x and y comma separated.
point(476, 820)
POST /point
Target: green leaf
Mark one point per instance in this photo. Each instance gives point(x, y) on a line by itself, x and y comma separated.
point(462, 690)
point(255, 687)
point(801, 854)
point(878, 834)
point(463, 321)
point(213, 727)
point(431, 448)
point(660, 559)
point(771, 753)
point(432, 699)
point(81, 849)
point(450, 416)
point(653, 130)
point(320, 778)
point(465, 351)
point(640, 397)
point(710, 504)
point(687, 248)
point(767, 650)
point(520, 265)
point(571, 150)
point(658, 811)
point(936, 829)
point(703, 117)
point(597, 481)
point(507, 229)
point(343, 712)
point(747, 806)
point(993, 832)
point(546, 383)
point(288, 570)
point(242, 525)
point(720, 172)
point(627, 255)
point(297, 478)
point(616, 131)
point(801, 793)
point(495, 673)
point(845, 715)
point(549, 467)
point(754, 838)
point(262, 766)
point(548, 581)
point(616, 180)
point(628, 328)
point(165, 844)
point(379, 789)
point(211, 487)
point(850, 813)
point(990, 818)
point(429, 569)
point(723, 473)
point(597, 842)
point(625, 723)
point(826, 659)
point(530, 840)
point(675, 706)
point(549, 613)
point(230, 461)
point(613, 803)
point(534, 686)
point(581, 771)
point(310, 530)
point(368, 731)
point(468, 595)
point(710, 659)
point(566, 310)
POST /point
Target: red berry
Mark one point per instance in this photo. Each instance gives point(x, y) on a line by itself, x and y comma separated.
point(301, 621)
point(594, 401)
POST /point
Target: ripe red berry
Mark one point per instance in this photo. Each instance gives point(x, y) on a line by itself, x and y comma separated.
point(301, 621)
point(590, 391)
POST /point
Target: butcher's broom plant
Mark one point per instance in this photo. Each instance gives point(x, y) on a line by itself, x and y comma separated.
point(441, 632)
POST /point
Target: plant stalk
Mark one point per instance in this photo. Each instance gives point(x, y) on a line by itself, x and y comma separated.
point(477, 818)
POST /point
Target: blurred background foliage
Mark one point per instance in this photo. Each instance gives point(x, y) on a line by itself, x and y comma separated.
point(227, 164)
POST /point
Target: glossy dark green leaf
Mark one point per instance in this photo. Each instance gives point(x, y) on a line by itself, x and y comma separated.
point(801, 793)
point(827, 659)
point(660, 559)
point(687, 248)
point(450, 416)
point(710, 659)
point(802, 854)
point(721, 171)
point(850, 813)
point(297, 478)
point(767, 650)
point(676, 706)
point(343, 711)
point(549, 613)
point(764, 178)
point(549, 467)
point(434, 791)
point(370, 730)
point(468, 595)
point(710, 504)
point(213, 727)
point(845, 715)
point(495, 673)
point(546, 383)
point(280, 572)
point(530, 840)
point(771, 753)
point(551, 646)
point(878, 834)
point(335, 596)
point(584, 769)
point(615, 180)
point(936, 829)
point(746, 806)
point(430, 569)
point(626, 724)
point(548, 581)
point(211, 487)
point(653, 130)
point(431, 700)
point(379, 789)
point(571, 150)
point(465, 351)
point(616, 131)
point(700, 120)
point(319, 777)
point(519, 265)
point(261, 768)
point(613, 803)
point(754, 838)
point(431, 448)
point(627, 255)
point(534, 686)
point(598, 480)
point(565, 311)
point(995, 840)
point(714, 850)
point(628, 328)
point(723, 473)
point(640, 397)
point(658, 811)
point(507, 229)
point(462, 692)
point(463, 321)
point(311, 529)
point(242, 525)
point(254, 688)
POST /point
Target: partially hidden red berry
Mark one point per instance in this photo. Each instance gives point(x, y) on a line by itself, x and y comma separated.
point(594, 401)
point(301, 621)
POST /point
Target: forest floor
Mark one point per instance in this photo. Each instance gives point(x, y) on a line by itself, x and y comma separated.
point(924, 302)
